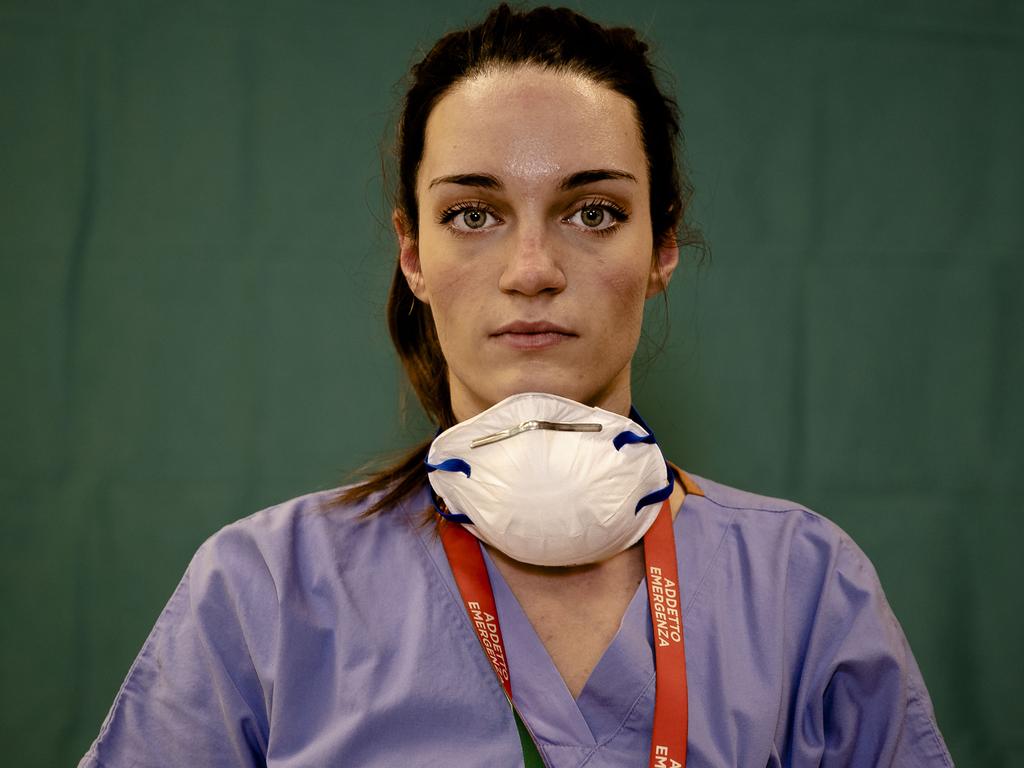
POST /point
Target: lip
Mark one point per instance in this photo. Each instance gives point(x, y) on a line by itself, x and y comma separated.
point(534, 326)
point(536, 334)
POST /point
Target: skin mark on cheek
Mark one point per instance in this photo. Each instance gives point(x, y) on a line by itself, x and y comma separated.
point(629, 285)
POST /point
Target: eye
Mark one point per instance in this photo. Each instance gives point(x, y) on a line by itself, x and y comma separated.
point(598, 216)
point(474, 218)
point(468, 217)
point(593, 216)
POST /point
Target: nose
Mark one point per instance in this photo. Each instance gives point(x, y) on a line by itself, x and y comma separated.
point(532, 266)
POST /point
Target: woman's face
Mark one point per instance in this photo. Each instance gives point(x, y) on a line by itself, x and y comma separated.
point(534, 250)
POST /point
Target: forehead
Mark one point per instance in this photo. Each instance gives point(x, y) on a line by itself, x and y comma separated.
point(528, 124)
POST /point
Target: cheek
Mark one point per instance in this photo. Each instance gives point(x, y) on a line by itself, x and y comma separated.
point(440, 274)
point(628, 291)
point(449, 270)
point(623, 275)
point(444, 303)
point(456, 299)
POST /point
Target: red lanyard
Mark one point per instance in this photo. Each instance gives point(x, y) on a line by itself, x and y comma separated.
point(668, 738)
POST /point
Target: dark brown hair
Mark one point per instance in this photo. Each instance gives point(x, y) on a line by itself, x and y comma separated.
point(553, 38)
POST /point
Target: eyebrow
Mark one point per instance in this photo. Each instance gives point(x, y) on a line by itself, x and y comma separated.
point(578, 179)
point(483, 180)
point(582, 178)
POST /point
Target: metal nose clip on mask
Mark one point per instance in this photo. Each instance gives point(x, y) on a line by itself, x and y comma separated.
point(550, 481)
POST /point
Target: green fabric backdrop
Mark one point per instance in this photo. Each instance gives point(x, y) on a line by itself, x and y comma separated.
point(195, 256)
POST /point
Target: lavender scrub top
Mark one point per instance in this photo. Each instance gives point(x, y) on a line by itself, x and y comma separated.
point(305, 636)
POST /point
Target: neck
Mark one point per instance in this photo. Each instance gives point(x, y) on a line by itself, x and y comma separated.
point(576, 610)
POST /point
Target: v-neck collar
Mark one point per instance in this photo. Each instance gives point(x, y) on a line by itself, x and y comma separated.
point(622, 676)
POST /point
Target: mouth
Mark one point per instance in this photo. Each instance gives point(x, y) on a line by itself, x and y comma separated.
point(523, 334)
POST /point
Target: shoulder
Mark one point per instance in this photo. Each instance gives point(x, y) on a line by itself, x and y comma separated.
point(302, 540)
point(777, 526)
point(799, 584)
point(770, 561)
point(284, 521)
point(745, 507)
point(783, 555)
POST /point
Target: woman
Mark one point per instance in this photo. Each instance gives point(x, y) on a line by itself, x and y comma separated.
point(539, 206)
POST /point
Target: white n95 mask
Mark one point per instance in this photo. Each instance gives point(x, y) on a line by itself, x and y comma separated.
point(550, 481)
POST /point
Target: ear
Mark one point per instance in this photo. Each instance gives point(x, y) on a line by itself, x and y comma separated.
point(409, 256)
point(664, 263)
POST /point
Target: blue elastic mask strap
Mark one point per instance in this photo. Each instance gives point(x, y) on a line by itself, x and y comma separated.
point(659, 495)
point(628, 438)
point(443, 511)
point(448, 465)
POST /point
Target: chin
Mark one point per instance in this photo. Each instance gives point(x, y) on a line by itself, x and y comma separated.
point(549, 385)
point(498, 383)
